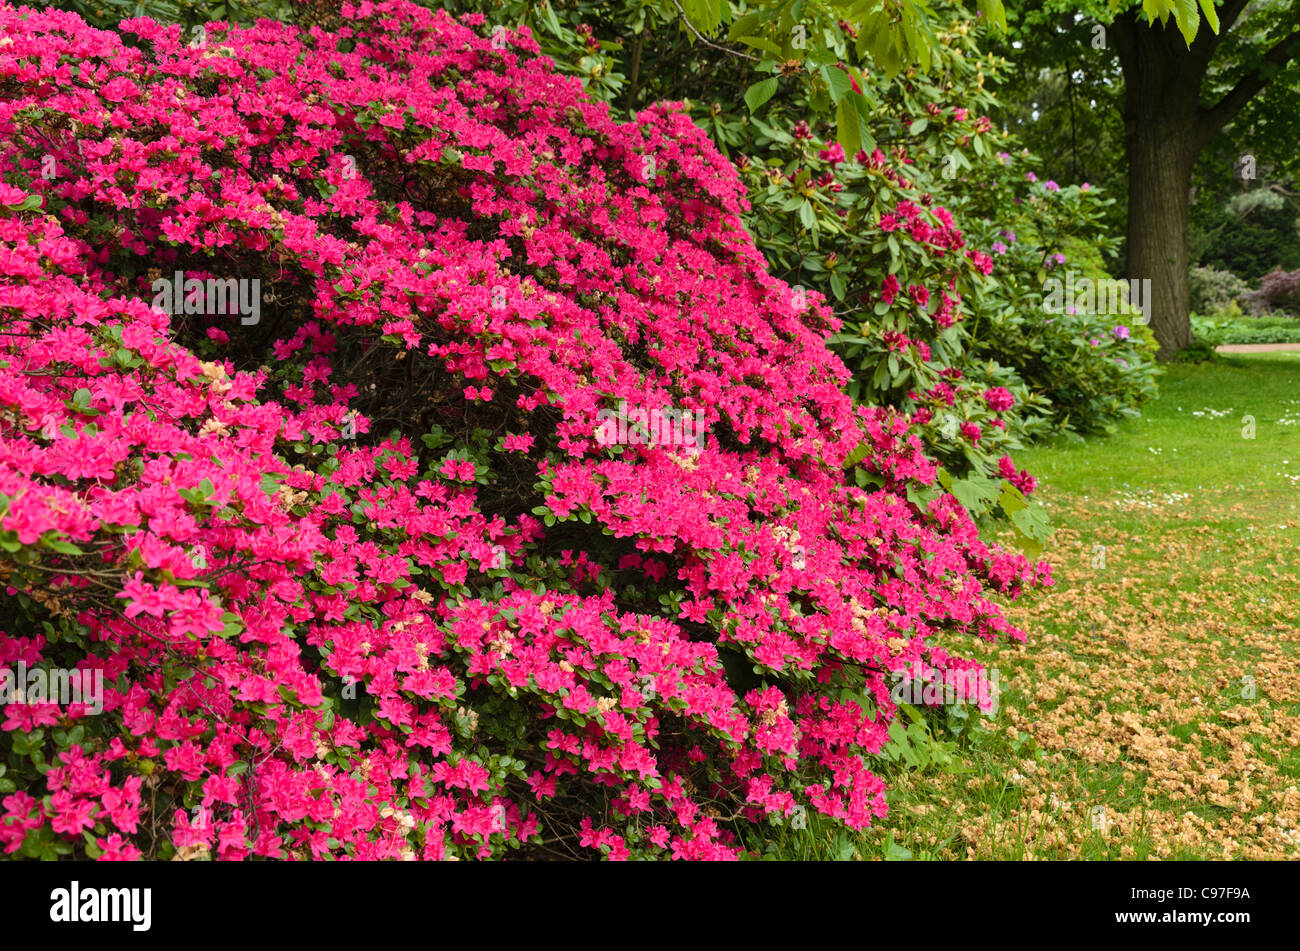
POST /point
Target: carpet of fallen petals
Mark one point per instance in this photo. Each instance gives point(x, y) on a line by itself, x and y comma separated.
point(1155, 711)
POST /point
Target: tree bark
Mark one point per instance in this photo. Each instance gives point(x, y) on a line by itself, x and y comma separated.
point(1162, 81)
point(1160, 175)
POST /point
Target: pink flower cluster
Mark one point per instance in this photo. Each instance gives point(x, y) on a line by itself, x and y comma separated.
point(318, 643)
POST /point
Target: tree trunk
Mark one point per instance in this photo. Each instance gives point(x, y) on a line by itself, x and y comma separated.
point(1160, 172)
point(1161, 101)
point(1165, 128)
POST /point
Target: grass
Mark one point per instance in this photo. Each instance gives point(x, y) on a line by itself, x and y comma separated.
point(1154, 711)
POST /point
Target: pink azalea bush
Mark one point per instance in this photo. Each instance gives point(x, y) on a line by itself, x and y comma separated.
point(360, 579)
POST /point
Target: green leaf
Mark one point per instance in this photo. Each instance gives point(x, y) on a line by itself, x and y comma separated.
point(747, 24)
point(857, 455)
point(1011, 499)
point(867, 704)
point(865, 479)
point(837, 287)
point(1211, 15)
point(760, 43)
point(922, 497)
point(1188, 19)
point(233, 624)
point(838, 81)
point(807, 216)
point(1032, 528)
point(552, 22)
point(976, 493)
point(30, 203)
point(995, 13)
point(917, 45)
point(848, 125)
point(759, 93)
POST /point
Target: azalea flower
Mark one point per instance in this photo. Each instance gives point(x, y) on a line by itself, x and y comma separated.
point(338, 678)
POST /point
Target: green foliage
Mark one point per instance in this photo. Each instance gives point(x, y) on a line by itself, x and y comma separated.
point(1199, 351)
point(1094, 367)
point(915, 745)
point(798, 39)
point(1258, 245)
point(1215, 291)
point(1247, 232)
point(795, 36)
point(1092, 378)
point(1219, 329)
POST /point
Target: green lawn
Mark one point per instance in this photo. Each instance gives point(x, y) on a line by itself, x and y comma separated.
point(1155, 710)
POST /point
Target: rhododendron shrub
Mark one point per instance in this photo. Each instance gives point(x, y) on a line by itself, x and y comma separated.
point(899, 260)
point(884, 231)
point(362, 577)
point(1095, 365)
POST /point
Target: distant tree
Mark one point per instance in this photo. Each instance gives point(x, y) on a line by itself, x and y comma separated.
point(1183, 88)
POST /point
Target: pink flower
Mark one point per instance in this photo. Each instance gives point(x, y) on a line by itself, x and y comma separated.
point(71, 815)
point(30, 716)
point(119, 89)
point(834, 154)
point(316, 640)
point(999, 398)
point(114, 848)
point(890, 289)
point(461, 470)
point(144, 598)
